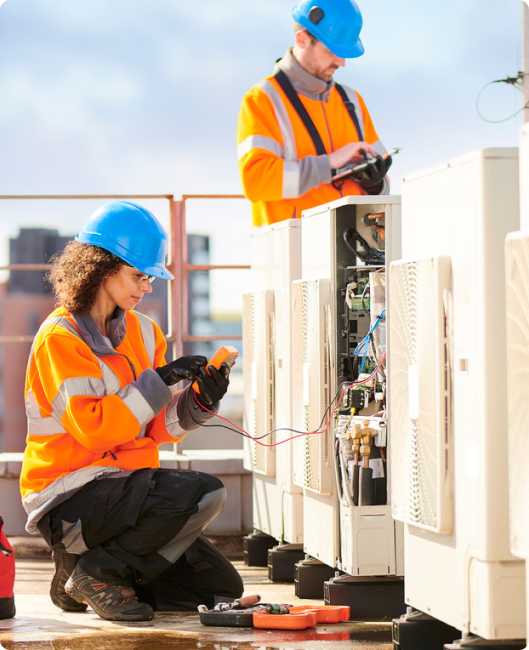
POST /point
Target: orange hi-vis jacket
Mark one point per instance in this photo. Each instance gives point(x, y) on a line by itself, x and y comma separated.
point(94, 410)
point(280, 171)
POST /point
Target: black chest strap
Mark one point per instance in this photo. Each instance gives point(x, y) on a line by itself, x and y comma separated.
point(300, 109)
point(351, 110)
point(296, 102)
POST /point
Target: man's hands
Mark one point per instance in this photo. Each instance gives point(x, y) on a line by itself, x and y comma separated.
point(352, 153)
point(371, 178)
point(212, 384)
point(183, 368)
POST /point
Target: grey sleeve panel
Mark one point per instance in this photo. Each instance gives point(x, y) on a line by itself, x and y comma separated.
point(314, 170)
point(197, 413)
point(154, 390)
point(291, 179)
point(137, 404)
point(379, 147)
point(385, 186)
point(173, 412)
point(190, 415)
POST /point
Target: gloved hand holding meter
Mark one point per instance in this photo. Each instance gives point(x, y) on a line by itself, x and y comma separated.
point(210, 383)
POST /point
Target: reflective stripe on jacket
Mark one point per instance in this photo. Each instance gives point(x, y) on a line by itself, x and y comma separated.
point(280, 171)
point(92, 409)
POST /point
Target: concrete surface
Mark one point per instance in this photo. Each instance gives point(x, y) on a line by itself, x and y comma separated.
point(39, 625)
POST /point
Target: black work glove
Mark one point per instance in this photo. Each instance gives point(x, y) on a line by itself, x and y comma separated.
point(371, 179)
point(182, 368)
point(212, 384)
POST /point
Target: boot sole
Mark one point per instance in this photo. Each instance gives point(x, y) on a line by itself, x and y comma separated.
point(74, 607)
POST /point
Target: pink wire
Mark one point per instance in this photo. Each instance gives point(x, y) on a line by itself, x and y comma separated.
point(308, 433)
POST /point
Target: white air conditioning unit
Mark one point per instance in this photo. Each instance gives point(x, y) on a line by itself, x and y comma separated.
point(517, 283)
point(517, 300)
point(359, 540)
point(421, 480)
point(313, 463)
point(457, 569)
point(258, 369)
point(276, 262)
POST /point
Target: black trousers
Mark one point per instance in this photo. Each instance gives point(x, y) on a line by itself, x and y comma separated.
point(144, 530)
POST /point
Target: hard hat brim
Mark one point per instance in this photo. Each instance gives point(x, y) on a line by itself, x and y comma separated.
point(95, 239)
point(351, 52)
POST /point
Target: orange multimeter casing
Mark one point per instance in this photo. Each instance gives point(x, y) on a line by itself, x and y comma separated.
point(226, 354)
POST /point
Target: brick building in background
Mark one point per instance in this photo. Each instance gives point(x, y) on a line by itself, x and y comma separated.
point(25, 301)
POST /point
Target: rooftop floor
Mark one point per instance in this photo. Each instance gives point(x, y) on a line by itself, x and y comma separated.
point(39, 625)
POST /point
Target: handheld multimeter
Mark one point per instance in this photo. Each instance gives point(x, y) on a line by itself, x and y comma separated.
point(226, 354)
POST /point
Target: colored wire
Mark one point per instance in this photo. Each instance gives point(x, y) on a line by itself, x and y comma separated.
point(241, 431)
point(362, 349)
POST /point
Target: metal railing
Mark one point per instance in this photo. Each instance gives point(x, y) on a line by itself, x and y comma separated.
point(178, 313)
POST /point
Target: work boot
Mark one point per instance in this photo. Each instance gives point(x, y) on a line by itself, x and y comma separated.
point(109, 601)
point(64, 565)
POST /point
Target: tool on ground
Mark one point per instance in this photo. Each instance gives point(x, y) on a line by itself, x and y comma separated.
point(250, 612)
point(272, 608)
point(239, 603)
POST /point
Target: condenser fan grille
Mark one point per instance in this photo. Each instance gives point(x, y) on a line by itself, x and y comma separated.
point(517, 272)
point(419, 394)
point(310, 388)
point(258, 394)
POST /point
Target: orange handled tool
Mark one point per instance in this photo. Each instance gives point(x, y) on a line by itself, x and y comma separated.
point(226, 354)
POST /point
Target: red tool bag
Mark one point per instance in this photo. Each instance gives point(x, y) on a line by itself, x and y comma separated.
point(7, 576)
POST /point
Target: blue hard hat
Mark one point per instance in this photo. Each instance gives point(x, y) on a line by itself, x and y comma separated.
point(132, 233)
point(336, 23)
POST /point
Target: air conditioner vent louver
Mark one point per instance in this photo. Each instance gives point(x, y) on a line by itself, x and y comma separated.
point(419, 379)
point(258, 309)
point(310, 389)
point(517, 279)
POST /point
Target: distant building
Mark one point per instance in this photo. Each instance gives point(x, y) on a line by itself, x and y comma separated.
point(198, 305)
point(33, 246)
point(201, 321)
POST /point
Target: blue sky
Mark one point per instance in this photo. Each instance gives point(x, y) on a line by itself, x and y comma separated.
point(126, 96)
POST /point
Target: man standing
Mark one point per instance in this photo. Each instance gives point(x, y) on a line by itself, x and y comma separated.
point(298, 126)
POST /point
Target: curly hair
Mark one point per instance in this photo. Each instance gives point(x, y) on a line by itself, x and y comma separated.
point(77, 273)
